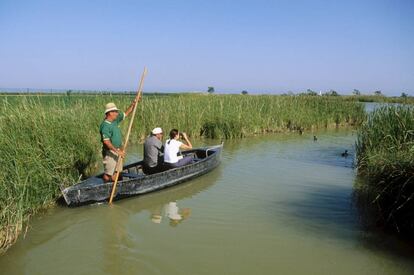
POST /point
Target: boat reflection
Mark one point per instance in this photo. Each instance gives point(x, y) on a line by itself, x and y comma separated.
point(164, 204)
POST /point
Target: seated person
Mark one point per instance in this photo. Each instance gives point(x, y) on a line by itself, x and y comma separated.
point(172, 149)
point(153, 152)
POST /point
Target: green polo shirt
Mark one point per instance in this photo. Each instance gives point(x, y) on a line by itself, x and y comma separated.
point(110, 130)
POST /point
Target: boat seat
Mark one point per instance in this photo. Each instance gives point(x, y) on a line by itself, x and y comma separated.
point(131, 175)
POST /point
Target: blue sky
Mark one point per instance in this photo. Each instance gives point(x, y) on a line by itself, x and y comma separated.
point(259, 46)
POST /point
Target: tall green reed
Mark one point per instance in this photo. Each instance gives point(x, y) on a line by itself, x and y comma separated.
point(41, 147)
point(385, 156)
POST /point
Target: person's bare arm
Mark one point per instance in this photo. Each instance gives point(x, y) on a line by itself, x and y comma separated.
point(131, 107)
point(187, 146)
point(111, 147)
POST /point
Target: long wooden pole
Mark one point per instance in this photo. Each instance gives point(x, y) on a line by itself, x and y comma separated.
point(120, 159)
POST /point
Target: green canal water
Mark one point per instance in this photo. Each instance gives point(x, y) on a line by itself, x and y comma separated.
point(279, 204)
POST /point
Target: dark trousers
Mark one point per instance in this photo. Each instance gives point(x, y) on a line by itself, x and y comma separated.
point(152, 170)
point(181, 162)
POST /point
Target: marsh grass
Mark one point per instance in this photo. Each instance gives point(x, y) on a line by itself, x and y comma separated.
point(385, 156)
point(40, 147)
point(51, 141)
point(235, 116)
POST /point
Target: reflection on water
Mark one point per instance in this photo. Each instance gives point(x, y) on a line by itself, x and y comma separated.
point(371, 106)
point(170, 211)
point(278, 204)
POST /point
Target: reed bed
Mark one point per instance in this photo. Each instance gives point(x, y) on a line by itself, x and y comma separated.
point(230, 116)
point(385, 156)
point(40, 148)
point(50, 141)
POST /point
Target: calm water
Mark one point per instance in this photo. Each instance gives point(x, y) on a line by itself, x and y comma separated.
point(276, 205)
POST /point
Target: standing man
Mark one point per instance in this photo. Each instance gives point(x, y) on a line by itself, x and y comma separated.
point(111, 138)
point(153, 152)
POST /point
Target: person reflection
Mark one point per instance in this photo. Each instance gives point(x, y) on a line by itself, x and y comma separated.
point(174, 214)
point(156, 214)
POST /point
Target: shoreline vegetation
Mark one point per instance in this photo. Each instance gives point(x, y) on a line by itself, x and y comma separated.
point(385, 159)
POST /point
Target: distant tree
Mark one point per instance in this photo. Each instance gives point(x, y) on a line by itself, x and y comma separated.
point(210, 90)
point(68, 92)
point(356, 92)
point(378, 93)
point(404, 95)
point(244, 92)
point(311, 92)
point(332, 93)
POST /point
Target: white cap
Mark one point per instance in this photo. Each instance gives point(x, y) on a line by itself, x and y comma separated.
point(110, 107)
point(156, 131)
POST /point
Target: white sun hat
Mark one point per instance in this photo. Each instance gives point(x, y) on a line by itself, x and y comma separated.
point(110, 107)
point(156, 131)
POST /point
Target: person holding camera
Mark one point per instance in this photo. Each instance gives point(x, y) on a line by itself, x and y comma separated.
point(172, 156)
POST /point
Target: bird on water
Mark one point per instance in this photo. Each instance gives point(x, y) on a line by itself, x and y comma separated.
point(345, 154)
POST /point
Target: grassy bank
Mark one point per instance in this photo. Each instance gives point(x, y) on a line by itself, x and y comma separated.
point(48, 141)
point(385, 156)
point(40, 147)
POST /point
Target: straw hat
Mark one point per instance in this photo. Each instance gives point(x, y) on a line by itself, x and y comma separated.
point(156, 131)
point(110, 107)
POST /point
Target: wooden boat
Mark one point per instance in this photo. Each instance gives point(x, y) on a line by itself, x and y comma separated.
point(135, 182)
